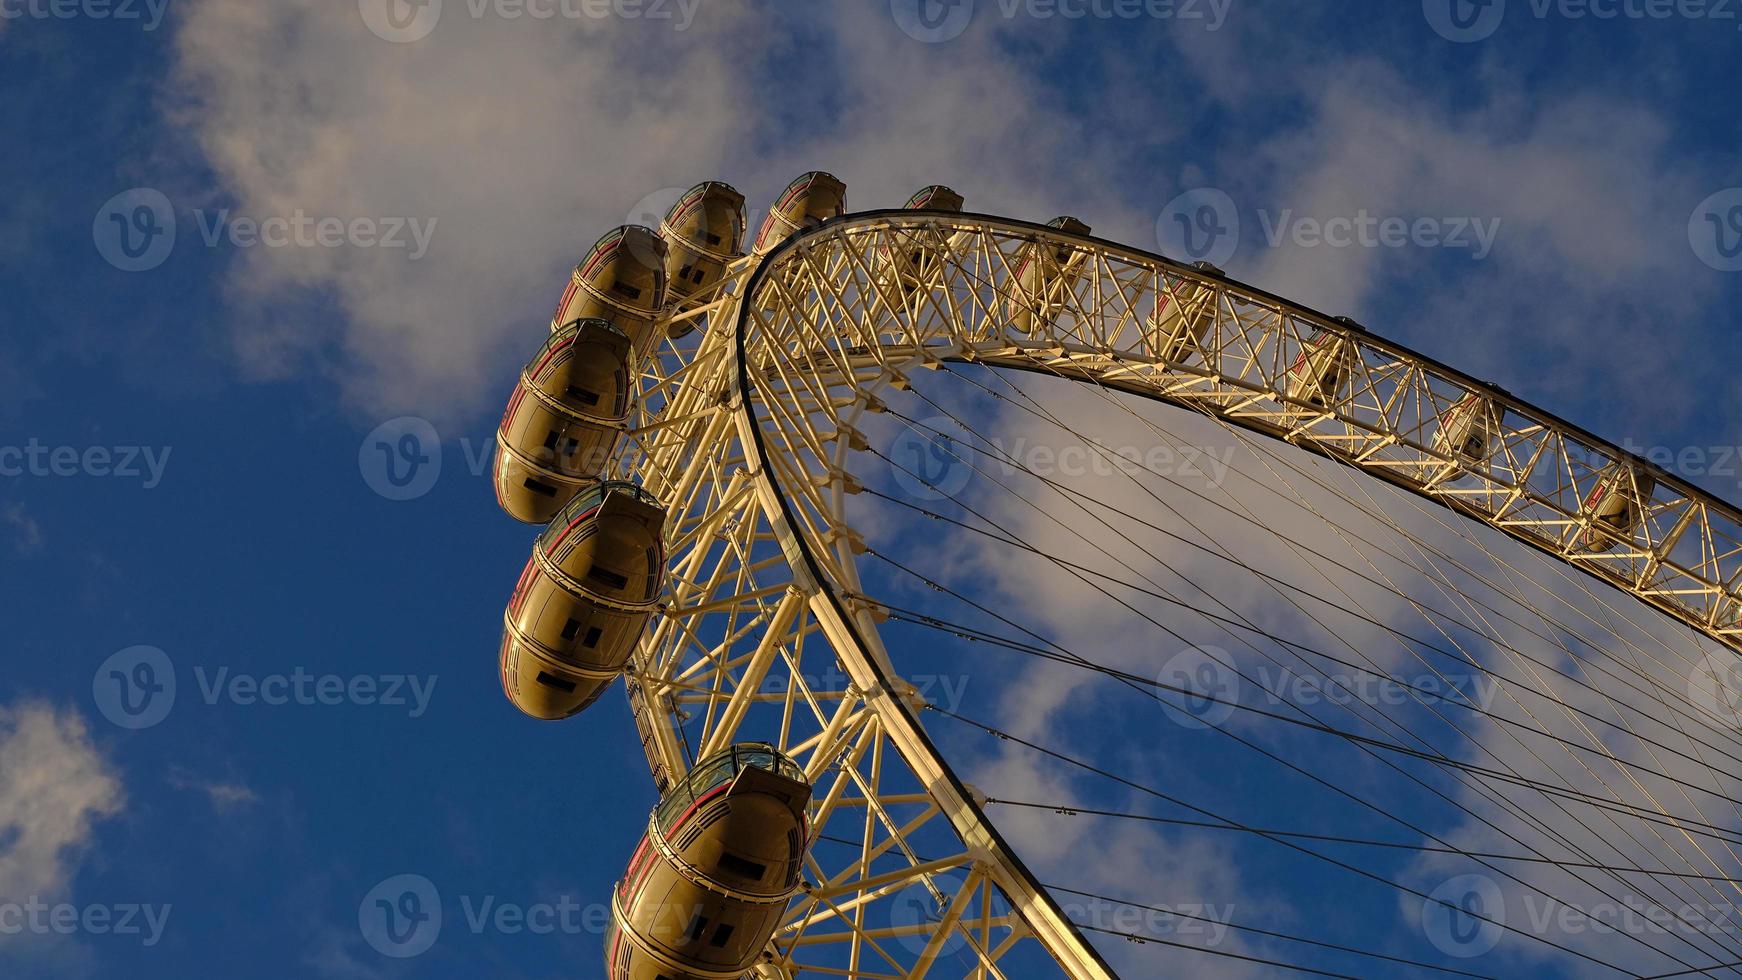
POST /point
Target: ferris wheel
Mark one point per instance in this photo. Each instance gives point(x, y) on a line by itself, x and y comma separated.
point(698, 435)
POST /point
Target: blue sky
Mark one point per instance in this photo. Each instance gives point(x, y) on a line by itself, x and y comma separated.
point(224, 507)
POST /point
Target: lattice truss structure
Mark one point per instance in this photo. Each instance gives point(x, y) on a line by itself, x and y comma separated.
point(745, 430)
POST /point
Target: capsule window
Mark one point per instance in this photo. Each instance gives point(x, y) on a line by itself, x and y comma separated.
point(684, 273)
point(698, 925)
point(592, 639)
point(549, 680)
point(539, 487)
point(722, 935)
point(622, 287)
point(570, 628)
point(607, 577)
point(582, 395)
point(698, 276)
point(743, 868)
point(712, 238)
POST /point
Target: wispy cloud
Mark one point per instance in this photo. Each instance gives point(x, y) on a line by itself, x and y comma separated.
point(223, 795)
point(54, 788)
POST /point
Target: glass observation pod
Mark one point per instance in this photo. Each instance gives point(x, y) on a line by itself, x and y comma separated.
point(712, 877)
point(563, 419)
point(622, 281)
point(811, 199)
point(595, 576)
point(1184, 313)
point(1045, 275)
point(703, 233)
point(1470, 430)
point(907, 266)
point(1325, 362)
point(1615, 507)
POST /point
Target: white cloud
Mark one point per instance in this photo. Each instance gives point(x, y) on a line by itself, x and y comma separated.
point(54, 788)
point(526, 139)
point(223, 795)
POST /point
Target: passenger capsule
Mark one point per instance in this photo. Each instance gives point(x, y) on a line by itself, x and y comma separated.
point(1615, 507)
point(594, 578)
point(812, 199)
point(935, 197)
point(911, 261)
point(563, 420)
point(1184, 313)
point(1470, 430)
point(703, 233)
point(711, 879)
point(622, 281)
point(1044, 277)
point(1326, 361)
